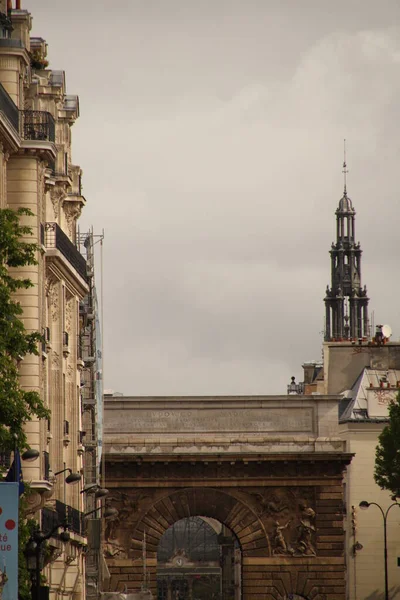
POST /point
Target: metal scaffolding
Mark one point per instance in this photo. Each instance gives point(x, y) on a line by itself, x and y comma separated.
point(90, 354)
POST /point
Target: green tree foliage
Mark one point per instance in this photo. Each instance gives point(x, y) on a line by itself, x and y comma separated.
point(387, 457)
point(17, 406)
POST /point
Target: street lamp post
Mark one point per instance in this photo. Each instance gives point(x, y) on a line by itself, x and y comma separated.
point(364, 505)
point(34, 554)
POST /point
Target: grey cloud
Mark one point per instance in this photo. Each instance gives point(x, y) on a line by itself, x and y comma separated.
point(211, 141)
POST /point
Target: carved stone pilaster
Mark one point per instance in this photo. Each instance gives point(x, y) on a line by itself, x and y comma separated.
point(55, 360)
point(70, 372)
point(41, 191)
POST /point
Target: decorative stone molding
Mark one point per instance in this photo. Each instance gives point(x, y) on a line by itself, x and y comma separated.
point(34, 502)
point(54, 296)
point(72, 211)
point(50, 280)
point(70, 373)
point(69, 311)
point(41, 190)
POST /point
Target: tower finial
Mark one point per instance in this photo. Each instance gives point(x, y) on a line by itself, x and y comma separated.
point(345, 171)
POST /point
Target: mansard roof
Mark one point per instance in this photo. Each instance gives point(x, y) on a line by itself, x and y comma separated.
point(369, 398)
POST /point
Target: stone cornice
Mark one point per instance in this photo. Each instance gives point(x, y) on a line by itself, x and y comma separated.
point(44, 149)
point(240, 457)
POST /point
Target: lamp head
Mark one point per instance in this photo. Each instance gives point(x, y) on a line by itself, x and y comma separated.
point(30, 455)
point(364, 505)
point(73, 478)
point(95, 489)
point(65, 536)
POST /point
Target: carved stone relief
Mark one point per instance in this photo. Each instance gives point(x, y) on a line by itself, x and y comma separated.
point(128, 506)
point(287, 514)
point(118, 530)
point(289, 519)
point(57, 196)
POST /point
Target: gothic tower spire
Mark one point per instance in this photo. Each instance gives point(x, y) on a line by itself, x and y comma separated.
point(346, 301)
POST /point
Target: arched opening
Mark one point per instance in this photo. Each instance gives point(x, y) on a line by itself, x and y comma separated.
point(198, 558)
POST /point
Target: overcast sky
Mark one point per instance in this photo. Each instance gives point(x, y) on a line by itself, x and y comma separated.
point(211, 140)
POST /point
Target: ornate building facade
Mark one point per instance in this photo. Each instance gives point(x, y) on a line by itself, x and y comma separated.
point(37, 172)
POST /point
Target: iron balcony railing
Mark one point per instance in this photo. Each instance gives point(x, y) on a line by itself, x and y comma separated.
point(8, 107)
point(63, 514)
point(56, 238)
point(30, 124)
point(37, 125)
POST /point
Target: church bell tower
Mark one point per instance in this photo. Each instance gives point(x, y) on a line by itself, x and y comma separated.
point(346, 301)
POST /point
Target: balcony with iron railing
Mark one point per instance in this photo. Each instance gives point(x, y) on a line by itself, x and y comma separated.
point(56, 238)
point(8, 107)
point(37, 125)
point(63, 513)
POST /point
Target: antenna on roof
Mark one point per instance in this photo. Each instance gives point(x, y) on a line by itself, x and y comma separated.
point(345, 171)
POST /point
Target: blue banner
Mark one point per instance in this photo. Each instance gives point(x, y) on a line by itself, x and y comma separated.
point(9, 500)
point(15, 472)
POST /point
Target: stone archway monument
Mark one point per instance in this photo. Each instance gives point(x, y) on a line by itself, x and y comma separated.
point(270, 468)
